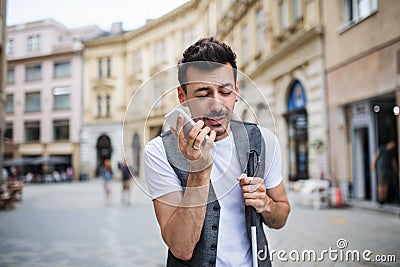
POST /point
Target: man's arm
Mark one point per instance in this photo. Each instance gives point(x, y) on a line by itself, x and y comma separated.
point(181, 216)
point(277, 208)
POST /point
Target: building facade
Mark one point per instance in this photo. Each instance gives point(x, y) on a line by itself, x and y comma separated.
point(280, 58)
point(363, 78)
point(44, 92)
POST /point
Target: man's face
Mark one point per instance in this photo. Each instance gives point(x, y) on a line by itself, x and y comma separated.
point(211, 96)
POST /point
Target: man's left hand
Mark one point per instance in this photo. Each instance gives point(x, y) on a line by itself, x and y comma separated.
point(255, 193)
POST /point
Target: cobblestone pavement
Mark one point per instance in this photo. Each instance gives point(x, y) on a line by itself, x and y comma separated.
point(348, 231)
point(72, 225)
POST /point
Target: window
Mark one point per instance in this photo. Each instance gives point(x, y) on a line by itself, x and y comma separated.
point(99, 67)
point(10, 75)
point(32, 131)
point(357, 10)
point(159, 52)
point(108, 67)
point(10, 103)
point(61, 97)
point(33, 73)
point(283, 10)
point(61, 130)
point(296, 10)
point(32, 101)
point(107, 106)
point(8, 134)
point(187, 37)
point(137, 62)
point(260, 29)
point(10, 47)
point(33, 43)
point(98, 106)
point(62, 69)
point(245, 41)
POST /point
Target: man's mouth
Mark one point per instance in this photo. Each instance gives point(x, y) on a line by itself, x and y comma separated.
point(215, 121)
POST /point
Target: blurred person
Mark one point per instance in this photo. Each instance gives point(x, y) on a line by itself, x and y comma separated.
point(29, 177)
point(107, 175)
point(12, 177)
point(201, 208)
point(5, 175)
point(127, 179)
point(56, 176)
point(385, 164)
point(70, 173)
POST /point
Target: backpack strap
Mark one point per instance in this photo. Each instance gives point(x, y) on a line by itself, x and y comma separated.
point(248, 137)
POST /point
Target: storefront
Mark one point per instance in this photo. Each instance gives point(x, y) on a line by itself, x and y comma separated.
point(373, 123)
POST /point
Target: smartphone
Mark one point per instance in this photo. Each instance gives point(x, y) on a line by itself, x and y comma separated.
point(172, 117)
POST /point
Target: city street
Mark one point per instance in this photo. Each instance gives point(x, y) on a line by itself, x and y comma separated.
point(71, 225)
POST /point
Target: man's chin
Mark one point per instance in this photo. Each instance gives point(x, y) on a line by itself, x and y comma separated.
point(219, 130)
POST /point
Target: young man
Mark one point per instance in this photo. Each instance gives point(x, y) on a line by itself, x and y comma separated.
point(197, 183)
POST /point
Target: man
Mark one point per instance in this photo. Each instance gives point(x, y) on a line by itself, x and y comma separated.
point(385, 163)
point(198, 187)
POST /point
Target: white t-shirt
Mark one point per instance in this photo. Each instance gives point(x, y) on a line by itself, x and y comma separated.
point(233, 243)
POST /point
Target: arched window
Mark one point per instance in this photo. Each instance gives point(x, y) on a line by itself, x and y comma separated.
point(104, 149)
point(297, 121)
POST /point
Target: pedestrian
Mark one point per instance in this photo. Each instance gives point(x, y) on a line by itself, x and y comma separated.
point(385, 164)
point(70, 173)
point(5, 175)
point(127, 179)
point(198, 187)
point(106, 174)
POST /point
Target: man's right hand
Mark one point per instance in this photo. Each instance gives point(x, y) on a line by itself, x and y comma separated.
point(196, 148)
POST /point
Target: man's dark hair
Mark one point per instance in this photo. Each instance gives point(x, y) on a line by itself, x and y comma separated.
point(205, 52)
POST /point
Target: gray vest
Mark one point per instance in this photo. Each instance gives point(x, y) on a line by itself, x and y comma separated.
point(247, 137)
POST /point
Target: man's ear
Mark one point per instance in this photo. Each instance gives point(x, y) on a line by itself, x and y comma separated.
point(181, 96)
point(237, 90)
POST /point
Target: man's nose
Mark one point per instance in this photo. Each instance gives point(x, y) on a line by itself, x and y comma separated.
point(215, 102)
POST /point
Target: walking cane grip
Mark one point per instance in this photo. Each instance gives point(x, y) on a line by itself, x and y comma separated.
point(250, 173)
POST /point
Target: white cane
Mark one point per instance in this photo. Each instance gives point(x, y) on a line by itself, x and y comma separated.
point(250, 173)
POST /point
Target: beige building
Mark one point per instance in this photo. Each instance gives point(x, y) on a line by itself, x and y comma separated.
point(43, 92)
point(280, 54)
point(363, 80)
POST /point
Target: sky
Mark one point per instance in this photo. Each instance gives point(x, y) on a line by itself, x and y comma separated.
point(77, 13)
